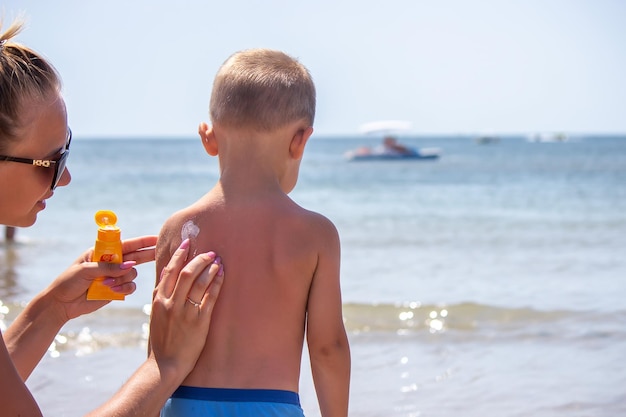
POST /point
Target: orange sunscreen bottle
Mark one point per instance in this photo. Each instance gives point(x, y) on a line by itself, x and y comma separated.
point(108, 249)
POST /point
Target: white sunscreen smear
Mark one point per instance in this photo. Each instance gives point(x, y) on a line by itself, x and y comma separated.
point(189, 230)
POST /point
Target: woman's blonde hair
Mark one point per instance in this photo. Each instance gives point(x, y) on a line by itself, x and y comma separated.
point(262, 89)
point(24, 75)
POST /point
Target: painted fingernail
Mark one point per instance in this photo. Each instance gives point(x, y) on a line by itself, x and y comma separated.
point(211, 254)
point(221, 271)
point(218, 260)
point(184, 244)
point(128, 264)
point(108, 282)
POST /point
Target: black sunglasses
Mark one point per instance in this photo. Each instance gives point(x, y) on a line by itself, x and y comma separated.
point(57, 164)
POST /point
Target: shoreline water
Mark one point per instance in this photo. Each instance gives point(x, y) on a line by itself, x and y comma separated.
point(408, 365)
point(489, 283)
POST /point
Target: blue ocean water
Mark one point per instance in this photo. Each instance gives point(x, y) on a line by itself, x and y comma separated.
point(487, 283)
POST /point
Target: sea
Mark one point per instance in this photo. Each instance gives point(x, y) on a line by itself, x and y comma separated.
point(489, 282)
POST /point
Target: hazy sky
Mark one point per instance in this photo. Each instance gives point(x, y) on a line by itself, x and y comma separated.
point(448, 66)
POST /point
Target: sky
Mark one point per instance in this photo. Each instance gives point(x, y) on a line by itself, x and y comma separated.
point(145, 67)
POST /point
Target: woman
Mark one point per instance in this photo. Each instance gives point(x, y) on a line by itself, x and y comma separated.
point(34, 146)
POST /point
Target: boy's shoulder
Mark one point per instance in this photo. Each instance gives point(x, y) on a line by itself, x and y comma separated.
point(318, 223)
point(177, 220)
point(178, 216)
point(317, 217)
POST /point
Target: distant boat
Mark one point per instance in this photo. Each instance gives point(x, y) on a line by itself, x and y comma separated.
point(366, 153)
point(559, 137)
point(486, 139)
point(390, 149)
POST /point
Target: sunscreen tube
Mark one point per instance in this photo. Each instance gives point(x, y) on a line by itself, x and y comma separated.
point(108, 248)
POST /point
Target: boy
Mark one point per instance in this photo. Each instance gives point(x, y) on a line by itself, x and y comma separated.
point(283, 260)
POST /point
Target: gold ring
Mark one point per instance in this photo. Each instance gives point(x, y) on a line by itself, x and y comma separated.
point(193, 302)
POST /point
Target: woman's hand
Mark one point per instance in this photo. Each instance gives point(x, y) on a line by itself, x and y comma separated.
point(181, 314)
point(182, 306)
point(32, 331)
point(69, 290)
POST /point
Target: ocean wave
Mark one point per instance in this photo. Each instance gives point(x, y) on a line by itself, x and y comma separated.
point(127, 327)
point(479, 318)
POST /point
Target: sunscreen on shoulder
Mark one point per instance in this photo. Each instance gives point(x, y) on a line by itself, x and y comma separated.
point(108, 248)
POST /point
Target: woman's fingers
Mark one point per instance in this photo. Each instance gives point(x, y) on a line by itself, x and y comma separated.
point(204, 268)
point(210, 295)
point(141, 256)
point(189, 285)
point(126, 288)
point(139, 249)
point(121, 284)
point(169, 274)
point(136, 243)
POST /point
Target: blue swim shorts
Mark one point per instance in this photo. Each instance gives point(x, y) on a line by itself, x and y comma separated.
point(227, 402)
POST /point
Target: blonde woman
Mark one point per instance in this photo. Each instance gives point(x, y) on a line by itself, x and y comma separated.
point(34, 146)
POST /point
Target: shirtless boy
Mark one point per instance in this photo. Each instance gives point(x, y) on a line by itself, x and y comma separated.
point(282, 260)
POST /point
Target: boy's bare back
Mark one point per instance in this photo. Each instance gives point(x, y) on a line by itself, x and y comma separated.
point(271, 248)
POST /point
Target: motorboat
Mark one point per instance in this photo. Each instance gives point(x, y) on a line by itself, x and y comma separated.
point(486, 139)
point(366, 153)
point(558, 137)
point(390, 149)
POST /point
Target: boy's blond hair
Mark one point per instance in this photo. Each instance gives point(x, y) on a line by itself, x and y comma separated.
point(262, 89)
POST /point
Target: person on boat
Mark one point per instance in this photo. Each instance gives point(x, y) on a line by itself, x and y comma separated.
point(391, 145)
point(33, 124)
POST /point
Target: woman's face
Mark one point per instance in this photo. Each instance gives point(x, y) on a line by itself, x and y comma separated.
point(25, 188)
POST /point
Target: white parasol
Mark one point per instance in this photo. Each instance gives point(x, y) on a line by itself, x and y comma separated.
point(386, 127)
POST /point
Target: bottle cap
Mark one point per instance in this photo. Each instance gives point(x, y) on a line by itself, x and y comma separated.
point(105, 218)
point(107, 229)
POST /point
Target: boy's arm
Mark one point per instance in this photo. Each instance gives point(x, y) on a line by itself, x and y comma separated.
point(326, 336)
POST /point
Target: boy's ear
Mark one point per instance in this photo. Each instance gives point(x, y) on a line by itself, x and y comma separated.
point(208, 138)
point(298, 142)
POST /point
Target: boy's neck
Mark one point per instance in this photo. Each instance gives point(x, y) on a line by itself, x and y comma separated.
point(254, 161)
point(248, 181)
